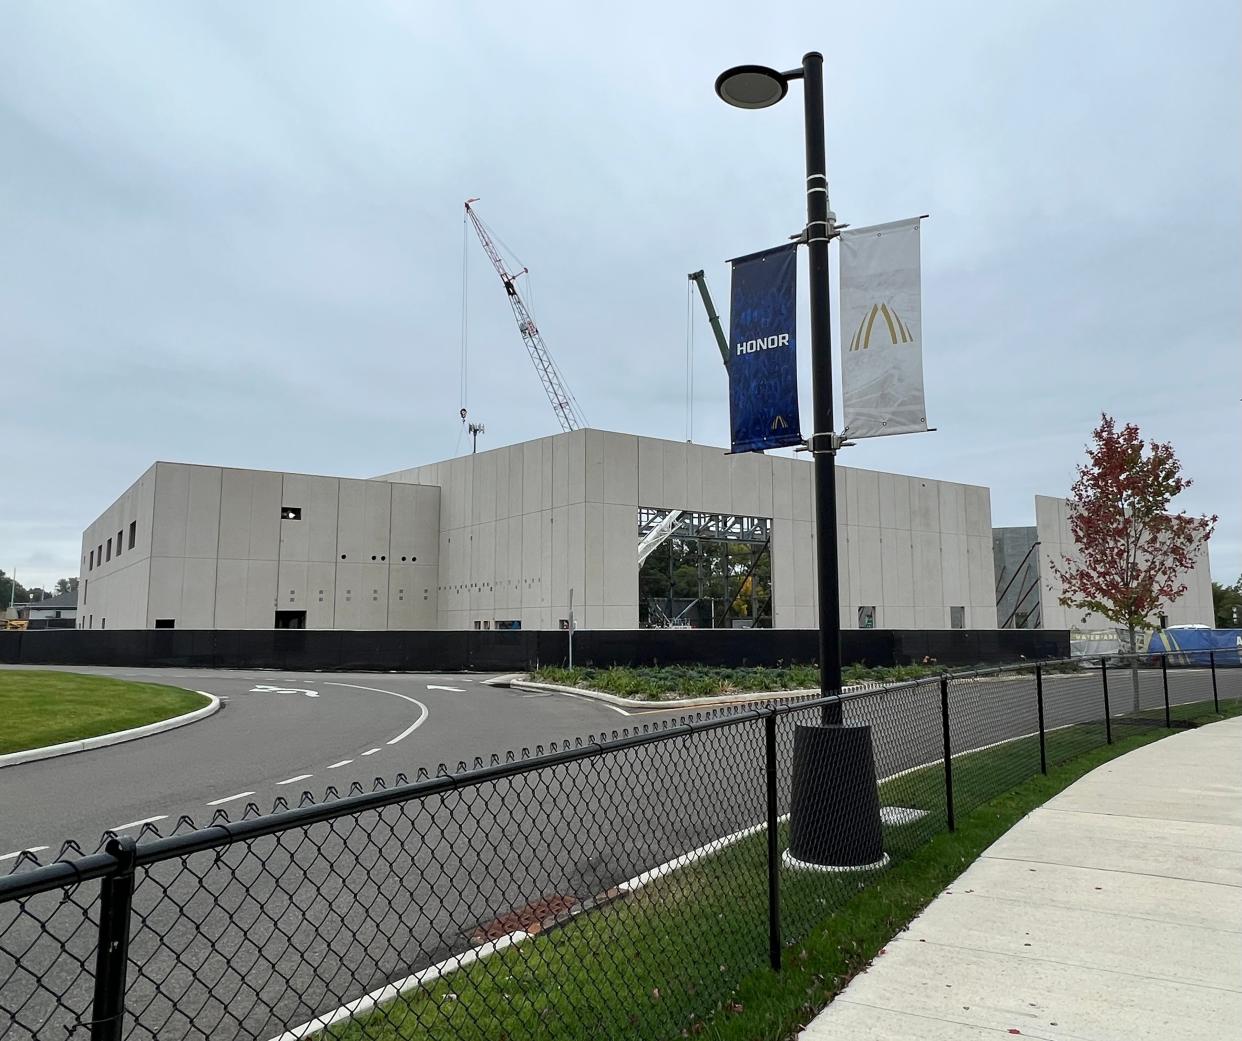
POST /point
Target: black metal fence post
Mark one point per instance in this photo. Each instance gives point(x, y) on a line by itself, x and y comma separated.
point(112, 959)
point(1108, 715)
point(948, 753)
point(1164, 674)
point(1039, 701)
point(774, 867)
point(1215, 698)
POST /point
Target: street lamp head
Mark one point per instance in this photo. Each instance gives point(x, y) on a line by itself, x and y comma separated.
point(751, 86)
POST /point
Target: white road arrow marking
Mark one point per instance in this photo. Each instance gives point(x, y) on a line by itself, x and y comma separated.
point(455, 690)
point(263, 688)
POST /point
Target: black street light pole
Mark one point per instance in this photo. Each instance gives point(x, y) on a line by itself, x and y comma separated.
point(753, 86)
point(834, 819)
point(820, 227)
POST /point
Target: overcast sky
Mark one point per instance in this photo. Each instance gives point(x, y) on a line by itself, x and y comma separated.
point(232, 233)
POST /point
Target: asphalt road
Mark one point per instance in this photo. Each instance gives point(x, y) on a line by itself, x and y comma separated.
point(264, 744)
point(255, 938)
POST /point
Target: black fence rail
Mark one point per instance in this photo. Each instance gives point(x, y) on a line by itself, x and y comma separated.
point(612, 887)
point(451, 650)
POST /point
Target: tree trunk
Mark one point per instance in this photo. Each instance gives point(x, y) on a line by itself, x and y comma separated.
point(1134, 677)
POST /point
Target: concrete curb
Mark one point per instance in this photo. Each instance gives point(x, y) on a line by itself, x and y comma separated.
point(104, 740)
point(520, 681)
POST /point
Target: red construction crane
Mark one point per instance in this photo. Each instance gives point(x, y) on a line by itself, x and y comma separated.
point(568, 412)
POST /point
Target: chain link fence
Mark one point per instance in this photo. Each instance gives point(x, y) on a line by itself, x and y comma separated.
point(612, 887)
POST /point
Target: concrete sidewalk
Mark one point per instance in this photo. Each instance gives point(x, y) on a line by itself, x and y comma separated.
point(1114, 911)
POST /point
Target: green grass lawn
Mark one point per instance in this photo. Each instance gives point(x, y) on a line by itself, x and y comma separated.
point(652, 683)
point(47, 708)
point(687, 954)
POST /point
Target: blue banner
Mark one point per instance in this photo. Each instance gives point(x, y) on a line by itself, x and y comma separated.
point(763, 358)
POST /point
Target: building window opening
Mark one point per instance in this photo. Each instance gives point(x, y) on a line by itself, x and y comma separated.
point(957, 618)
point(118, 543)
point(291, 513)
point(133, 533)
point(166, 623)
point(109, 556)
point(92, 563)
point(703, 570)
point(290, 619)
point(505, 623)
point(866, 618)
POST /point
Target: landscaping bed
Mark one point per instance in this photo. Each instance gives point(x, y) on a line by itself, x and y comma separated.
point(669, 682)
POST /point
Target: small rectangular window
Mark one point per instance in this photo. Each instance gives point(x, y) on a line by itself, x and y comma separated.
point(99, 554)
point(118, 543)
point(957, 618)
point(103, 623)
point(291, 513)
point(866, 618)
point(86, 588)
point(133, 533)
point(92, 564)
point(165, 623)
point(109, 556)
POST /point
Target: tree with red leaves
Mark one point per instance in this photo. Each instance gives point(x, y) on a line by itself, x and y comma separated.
point(1132, 552)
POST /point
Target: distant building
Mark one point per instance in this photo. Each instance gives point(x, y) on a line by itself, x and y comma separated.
point(52, 612)
point(1028, 591)
point(639, 531)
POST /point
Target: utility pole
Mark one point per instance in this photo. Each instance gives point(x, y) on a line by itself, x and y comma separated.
point(474, 429)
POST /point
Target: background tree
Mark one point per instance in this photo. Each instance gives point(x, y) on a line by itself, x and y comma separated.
point(1132, 552)
point(67, 585)
point(1227, 604)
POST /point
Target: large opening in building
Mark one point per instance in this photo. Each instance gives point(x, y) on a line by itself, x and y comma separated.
point(290, 619)
point(703, 570)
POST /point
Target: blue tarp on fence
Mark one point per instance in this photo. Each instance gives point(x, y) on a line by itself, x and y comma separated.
point(1195, 646)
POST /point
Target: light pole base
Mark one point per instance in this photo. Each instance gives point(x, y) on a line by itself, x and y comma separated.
point(792, 863)
point(834, 812)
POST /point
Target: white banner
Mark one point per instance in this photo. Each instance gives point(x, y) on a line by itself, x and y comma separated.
point(881, 330)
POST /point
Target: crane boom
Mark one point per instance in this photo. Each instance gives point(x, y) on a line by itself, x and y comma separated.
point(568, 412)
point(698, 278)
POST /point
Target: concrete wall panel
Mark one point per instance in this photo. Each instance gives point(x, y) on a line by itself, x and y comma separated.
point(621, 469)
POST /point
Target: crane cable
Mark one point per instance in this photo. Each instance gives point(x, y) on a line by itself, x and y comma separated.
point(465, 331)
point(689, 361)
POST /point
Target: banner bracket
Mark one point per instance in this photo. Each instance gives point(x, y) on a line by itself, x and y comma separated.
point(803, 237)
point(825, 444)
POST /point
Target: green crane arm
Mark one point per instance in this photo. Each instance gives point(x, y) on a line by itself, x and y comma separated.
point(697, 278)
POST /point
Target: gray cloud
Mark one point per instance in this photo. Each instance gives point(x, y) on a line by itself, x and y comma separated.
point(232, 233)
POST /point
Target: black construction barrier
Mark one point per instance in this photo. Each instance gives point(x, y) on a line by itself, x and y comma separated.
point(307, 650)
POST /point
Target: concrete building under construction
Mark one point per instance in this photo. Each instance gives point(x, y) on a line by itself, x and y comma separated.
point(636, 531)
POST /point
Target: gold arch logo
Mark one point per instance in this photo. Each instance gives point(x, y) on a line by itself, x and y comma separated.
point(898, 332)
point(780, 423)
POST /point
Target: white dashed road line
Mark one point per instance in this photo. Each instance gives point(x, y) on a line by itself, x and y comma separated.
point(229, 798)
point(370, 751)
point(138, 824)
point(18, 853)
point(300, 777)
point(405, 697)
point(343, 762)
